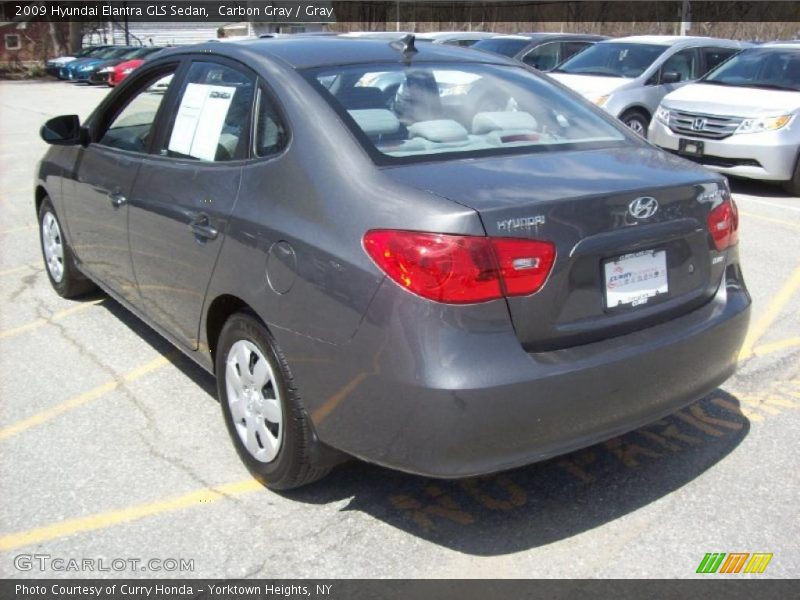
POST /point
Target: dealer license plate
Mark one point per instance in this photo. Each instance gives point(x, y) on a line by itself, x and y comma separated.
point(633, 279)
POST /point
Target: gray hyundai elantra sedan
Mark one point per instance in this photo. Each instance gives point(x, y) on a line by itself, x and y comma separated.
point(425, 257)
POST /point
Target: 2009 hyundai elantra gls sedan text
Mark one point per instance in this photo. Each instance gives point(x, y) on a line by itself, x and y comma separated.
point(397, 274)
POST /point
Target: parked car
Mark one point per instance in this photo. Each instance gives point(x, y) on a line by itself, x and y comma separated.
point(419, 284)
point(53, 66)
point(740, 119)
point(80, 69)
point(541, 51)
point(464, 39)
point(115, 70)
point(629, 76)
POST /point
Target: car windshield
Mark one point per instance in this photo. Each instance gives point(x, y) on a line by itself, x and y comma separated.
point(407, 112)
point(770, 68)
point(504, 46)
point(613, 59)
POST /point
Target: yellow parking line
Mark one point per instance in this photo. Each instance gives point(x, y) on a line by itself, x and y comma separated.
point(783, 222)
point(771, 347)
point(56, 316)
point(126, 515)
point(84, 398)
point(779, 301)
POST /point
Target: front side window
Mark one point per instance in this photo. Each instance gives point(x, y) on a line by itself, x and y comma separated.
point(684, 63)
point(130, 128)
point(408, 112)
point(768, 68)
point(544, 57)
point(212, 122)
point(613, 59)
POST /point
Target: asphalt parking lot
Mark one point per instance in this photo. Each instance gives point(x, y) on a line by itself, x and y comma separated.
point(112, 445)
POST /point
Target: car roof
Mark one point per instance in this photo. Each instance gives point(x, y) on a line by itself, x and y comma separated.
point(456, 35)
point(784, 45)
point(307, 52)
point(541, 35)
point(669, 40)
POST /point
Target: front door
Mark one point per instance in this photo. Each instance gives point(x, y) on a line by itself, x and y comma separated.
point(186, 191)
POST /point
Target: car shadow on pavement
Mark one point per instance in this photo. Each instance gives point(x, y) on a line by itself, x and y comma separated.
point(762, 189)
point(526, 507)
point(547, 501)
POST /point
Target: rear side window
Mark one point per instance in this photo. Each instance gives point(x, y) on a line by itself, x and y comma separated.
point(129, 129)
point(271, 133)
point(212, 122)
point(424, 110)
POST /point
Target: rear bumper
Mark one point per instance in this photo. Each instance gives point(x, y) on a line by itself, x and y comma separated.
point(437, 392)
point(768, 156)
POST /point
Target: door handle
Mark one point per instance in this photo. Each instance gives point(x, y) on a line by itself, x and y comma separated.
point(201, 227)
point(117, 199)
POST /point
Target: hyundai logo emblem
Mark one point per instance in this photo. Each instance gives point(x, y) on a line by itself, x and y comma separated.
point(698, 124)
point(643, 207)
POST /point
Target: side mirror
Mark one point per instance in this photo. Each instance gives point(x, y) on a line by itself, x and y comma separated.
point(65, 130)
point(670, 77)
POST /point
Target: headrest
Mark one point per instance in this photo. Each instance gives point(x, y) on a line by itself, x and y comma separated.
point(485, 122)
point(439, 130)
point(375, 121)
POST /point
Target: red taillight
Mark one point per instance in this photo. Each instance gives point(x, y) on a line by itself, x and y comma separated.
point(723, 224)
point(460, 269)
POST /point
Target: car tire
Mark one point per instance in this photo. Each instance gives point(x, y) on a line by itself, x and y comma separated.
point(270, 430)
point(636, 120)
point(792, 187)
point(59, 261)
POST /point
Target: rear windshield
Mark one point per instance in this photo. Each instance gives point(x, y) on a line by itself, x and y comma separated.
point(768, 68)
point(613, 59)
point(407, 112)
point(504, 46)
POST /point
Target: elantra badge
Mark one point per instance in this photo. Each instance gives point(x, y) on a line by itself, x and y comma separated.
point(643, 207)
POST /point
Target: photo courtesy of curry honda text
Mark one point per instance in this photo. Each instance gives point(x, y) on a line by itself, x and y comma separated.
point(376, 265)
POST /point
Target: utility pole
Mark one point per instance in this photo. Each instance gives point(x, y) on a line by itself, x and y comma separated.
point(686, 17)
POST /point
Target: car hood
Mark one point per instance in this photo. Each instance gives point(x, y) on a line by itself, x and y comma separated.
point(506, 181)
point(590, 85)
point(708, 98)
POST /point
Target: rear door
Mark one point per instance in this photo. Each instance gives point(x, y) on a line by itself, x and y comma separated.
point(186, 191)
point(97, 195)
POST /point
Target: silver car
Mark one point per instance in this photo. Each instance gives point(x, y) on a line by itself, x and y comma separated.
point(629, 76)
point(750, 130)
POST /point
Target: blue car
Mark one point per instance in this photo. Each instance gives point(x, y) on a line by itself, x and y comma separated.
point(82, 68)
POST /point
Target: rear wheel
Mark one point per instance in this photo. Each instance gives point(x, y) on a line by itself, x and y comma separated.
point(792, 186)
point(59, 261)
point(637, 120)
point(259, 402)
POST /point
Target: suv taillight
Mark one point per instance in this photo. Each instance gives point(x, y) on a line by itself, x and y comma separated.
point(461, 269)
point(723, 224)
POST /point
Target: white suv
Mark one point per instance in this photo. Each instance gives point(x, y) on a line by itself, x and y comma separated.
point(741, 119)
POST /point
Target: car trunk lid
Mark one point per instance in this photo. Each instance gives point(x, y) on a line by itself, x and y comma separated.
point(609, 264)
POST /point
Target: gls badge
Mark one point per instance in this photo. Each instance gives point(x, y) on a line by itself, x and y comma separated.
point(520, 222)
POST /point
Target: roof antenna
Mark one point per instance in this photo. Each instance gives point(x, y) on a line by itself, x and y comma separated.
point(405, 45)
